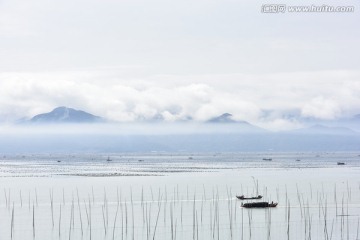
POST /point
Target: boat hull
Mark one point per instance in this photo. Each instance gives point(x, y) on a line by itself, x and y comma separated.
point(250, 198)
point(259, 205)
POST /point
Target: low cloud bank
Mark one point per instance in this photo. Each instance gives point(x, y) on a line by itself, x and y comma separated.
point(274, 101)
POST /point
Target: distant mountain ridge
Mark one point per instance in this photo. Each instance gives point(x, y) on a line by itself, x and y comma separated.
point(210, 136)
point(226, 119)
point(356, 117)
point(223, 118)
point(321, 129)
point(65, 115)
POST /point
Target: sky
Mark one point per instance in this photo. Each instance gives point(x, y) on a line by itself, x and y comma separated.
point(129, 60)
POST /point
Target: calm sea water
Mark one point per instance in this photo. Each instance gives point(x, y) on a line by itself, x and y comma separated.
point(179, 196)
point(164, 163)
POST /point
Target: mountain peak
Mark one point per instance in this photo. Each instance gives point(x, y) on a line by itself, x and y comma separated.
point(62, 108)
point(223, 118)
point(65, 115)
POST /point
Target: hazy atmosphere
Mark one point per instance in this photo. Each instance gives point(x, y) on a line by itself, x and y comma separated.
point(179, 120)
point(137, 60)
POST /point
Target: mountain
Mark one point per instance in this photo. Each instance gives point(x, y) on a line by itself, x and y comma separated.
point(223, 118)
point(228, 124)
point(65, 115)
point(356, 117)
point(321, 129)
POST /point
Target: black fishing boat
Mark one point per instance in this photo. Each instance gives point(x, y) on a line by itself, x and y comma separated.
point(259, 205)
point(242, 197)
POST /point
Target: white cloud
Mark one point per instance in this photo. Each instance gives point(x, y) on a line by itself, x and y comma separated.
point(321, 108)
point(127, 60)
point(279, 124)
point(324, 95)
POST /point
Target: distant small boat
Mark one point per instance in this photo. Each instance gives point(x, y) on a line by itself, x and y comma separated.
point(140, 160)
point(245, 198)
point(58, 161)
point(190, 158)
point(108, 159)
point(259, 205)
point(267, 159)
point(298, 160)
point(340, 163)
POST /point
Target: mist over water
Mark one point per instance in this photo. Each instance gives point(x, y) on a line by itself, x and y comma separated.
point(171, 137)
point(177, 181)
